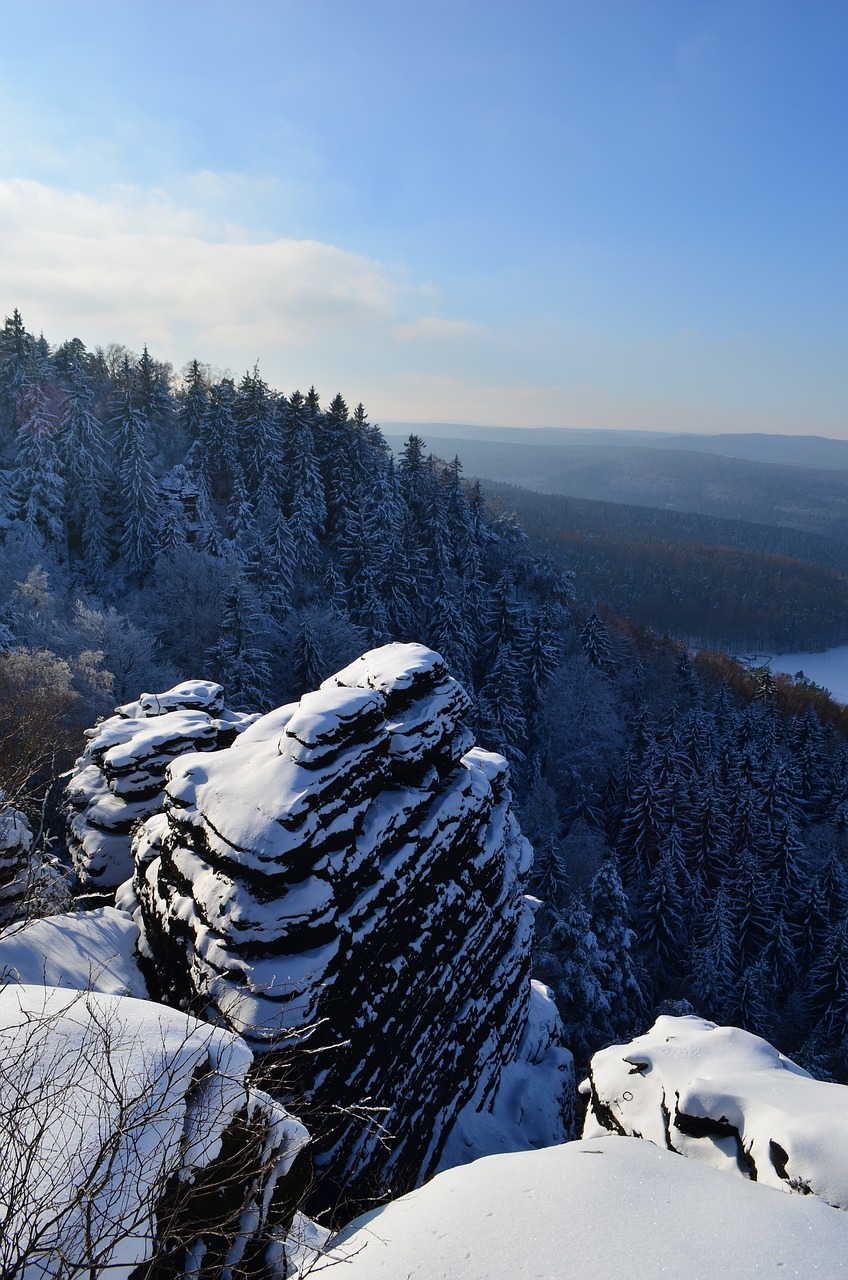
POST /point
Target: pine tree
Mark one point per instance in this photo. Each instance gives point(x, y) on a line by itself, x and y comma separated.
point(608, 912)
point(240, 514)
point(154, 397)
point(137, 495)
point(643, 825)
point(550, 874)
point(307, 503)
point(573, 965)
point(240, 663)
point(597, 644)
point(715, 960)
point(261, 452)
point(828, 993)
point(283, 563)
point(662, 929)
point(38, 486)
point(308, 663)
point(216, 451)
point(194, 401)
point(544, 652)
point(86, 479)
point(450, 634)
point(16, 372)
point(503, 724)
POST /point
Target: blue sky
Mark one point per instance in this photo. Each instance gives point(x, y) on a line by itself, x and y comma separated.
point(619, 214)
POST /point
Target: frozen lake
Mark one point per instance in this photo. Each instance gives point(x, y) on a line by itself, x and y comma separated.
point(829, 669)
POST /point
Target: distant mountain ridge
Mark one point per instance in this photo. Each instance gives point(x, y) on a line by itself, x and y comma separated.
point(653, 475)
point(812, 452)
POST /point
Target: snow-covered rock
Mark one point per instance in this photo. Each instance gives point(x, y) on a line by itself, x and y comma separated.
point(726, 1098)
point(127, 1128)
point(15, 861)
point(535, 1096)
point(82, 950)
point(119, 779)
point(592, 1210)
point(348, 873)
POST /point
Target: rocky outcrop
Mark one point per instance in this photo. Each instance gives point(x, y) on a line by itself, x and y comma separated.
point(726, 1098)
point(16, 863)
point(344, 886)
point(133, 1135)
point(119, 779)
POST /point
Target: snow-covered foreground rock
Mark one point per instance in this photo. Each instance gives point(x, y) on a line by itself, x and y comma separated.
point(119, 779)
point(726, 1098)
point(593, 1210)
point(15, 861)
point(118, 1118)
point(81, 950)
point(348, 875)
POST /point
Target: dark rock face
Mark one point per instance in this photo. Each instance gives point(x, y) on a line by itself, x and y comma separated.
point(15, 862)
point(347, 878)
point(119, 779)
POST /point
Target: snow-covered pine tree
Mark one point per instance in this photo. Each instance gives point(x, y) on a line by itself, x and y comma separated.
point(136, 496)
point(597, 644)
point(307, 502)
point(239, 662)
point(38, 484)
point(259, 436)
point(16, 356)
point(87, 480)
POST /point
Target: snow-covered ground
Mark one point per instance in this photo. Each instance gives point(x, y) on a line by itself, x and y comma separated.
point(829, 669)
point(603, 1209)
point(83, 950)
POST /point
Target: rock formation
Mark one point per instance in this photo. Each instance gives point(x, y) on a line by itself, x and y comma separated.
point(119, 779)
point(726, 1098)
point(132, 1134)
point(16, 862)
point(344, 886)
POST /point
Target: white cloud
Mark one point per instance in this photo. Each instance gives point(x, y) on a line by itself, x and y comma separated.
point(134, 266)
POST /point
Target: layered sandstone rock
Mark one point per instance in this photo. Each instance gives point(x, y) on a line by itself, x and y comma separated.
point(119, 779)
point(344, 886)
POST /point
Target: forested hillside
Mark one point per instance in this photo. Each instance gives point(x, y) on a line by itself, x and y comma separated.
point(153, 528)
point(663, 475)
point(727, 584)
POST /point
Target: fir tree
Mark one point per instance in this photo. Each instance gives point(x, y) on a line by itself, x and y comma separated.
point(240, 663)
point(86, 479)
point(307, 503)
point(308, 663)
point(597, 644)
point(136, 488)
point(194, 401)
point(38, 485)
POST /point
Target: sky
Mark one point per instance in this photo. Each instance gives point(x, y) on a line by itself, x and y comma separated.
point(619, 214)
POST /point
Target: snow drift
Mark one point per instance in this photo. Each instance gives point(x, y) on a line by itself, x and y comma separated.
point(592, 1210)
